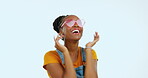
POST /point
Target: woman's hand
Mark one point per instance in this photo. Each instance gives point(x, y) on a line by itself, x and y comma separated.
point(96, 38)
point(59, 46)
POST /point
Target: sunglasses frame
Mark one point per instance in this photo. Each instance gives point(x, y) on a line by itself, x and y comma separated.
point(79, 22)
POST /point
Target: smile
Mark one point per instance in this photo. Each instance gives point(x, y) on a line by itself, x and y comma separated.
point(75, 31)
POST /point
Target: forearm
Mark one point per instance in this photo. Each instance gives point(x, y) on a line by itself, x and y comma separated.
point(90, 72)
point(69, 71)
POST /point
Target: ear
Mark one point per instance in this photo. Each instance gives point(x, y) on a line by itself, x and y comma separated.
point(61, 32)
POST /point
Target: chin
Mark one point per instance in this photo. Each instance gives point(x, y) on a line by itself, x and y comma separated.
point(76, 39)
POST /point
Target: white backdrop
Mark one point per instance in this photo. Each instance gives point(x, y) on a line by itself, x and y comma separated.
point(26, 34)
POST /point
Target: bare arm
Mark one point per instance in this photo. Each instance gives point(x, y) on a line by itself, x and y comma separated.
point(56, 70)
point(91, 64)
point(69, 69)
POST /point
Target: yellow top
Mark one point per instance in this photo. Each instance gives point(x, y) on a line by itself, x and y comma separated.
point(53, 57)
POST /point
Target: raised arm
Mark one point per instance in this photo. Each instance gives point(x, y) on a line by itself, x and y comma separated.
point(56, 70)
point(91, 64)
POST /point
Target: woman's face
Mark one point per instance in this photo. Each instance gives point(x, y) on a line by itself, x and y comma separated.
point(73, 32)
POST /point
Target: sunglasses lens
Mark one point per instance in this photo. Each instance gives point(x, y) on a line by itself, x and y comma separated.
point(79, 23)
point(70, 23)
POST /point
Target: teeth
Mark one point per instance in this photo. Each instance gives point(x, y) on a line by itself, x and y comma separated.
point(75, 31)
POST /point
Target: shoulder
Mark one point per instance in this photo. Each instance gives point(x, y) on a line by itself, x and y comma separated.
point(93, 51)
point(52, 52)
point(94, 54)
point(51, 57)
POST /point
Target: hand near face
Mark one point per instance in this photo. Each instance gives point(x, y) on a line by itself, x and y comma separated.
point(96, 39)
point(59, 46)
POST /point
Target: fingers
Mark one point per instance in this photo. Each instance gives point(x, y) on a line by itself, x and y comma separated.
point(57, 38)
point(96, 37)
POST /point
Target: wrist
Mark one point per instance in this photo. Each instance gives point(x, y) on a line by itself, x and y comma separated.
point(88, 47)
point(65, 52)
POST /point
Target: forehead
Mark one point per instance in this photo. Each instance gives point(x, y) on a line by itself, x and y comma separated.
point(73, 17)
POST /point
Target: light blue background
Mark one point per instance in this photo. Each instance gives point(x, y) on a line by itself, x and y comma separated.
point(26, 34)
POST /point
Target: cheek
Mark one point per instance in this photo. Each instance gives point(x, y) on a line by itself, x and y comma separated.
point(66, 30)
point(82, 30)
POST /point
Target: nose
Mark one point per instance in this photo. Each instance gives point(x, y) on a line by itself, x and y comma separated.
point(75, 25)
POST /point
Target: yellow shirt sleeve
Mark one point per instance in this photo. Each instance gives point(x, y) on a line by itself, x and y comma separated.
point(51, 57)
point(94, 55)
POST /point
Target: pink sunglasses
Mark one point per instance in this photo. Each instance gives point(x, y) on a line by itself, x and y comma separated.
point(71, 23)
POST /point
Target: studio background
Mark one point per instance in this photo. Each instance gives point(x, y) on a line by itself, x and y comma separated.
point(26, 34)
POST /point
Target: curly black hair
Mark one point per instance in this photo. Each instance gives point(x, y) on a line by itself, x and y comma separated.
point(57, 22)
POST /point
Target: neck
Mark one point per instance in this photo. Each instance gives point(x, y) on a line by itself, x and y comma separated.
point(72, 46)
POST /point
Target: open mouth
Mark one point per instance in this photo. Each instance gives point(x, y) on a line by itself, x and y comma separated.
point(75, 31)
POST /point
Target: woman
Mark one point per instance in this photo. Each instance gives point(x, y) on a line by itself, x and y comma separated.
point(70, 60)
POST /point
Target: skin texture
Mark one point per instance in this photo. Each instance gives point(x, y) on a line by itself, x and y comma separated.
point(70, 52)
